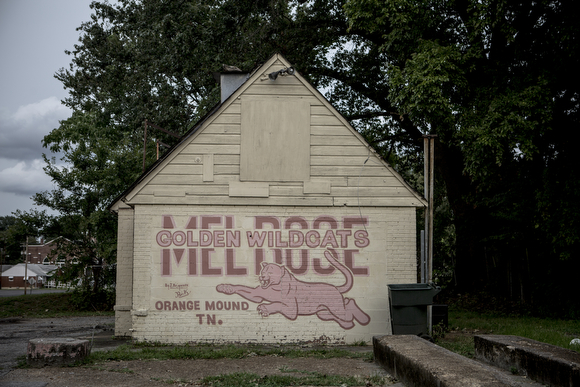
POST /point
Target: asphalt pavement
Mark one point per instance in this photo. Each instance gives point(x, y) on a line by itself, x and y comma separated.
point(16, 332)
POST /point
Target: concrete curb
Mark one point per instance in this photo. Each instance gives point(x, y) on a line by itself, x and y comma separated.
point(541, 362)
point(417, 362)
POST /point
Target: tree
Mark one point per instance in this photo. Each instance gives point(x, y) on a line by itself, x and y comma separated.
point(90, 174)
point(134, 62)
point(21, 229)
point(10, 249)
point(495, 80)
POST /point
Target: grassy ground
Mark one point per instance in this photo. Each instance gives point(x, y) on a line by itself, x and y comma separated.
point(289, 377)
point(464, 324)
point(42, 305)
point(212, 351)
point(311, 379)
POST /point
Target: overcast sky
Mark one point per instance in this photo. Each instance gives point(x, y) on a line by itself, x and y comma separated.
point(33, 37)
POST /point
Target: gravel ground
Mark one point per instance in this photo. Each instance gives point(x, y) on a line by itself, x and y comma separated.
point(15, 333)
point(189, 372)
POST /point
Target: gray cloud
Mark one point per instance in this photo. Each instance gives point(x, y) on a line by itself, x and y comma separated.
point(25, 178)
point(21, 132)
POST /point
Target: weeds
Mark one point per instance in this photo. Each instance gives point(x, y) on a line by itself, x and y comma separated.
point(285, 369)
point(438, 331)
point(43, 305)
point(462, 345)
point(312, 379)
point(360, 343)
point(555, 332)
point(123, 371)
point(88, 300)
point(290, 377)
point(179, 381)
point(467, 323)
point(164, 352)
point(149, 344)
point(21, 362)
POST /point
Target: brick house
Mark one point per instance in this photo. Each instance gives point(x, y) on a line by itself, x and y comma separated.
point(272, 220)
point(41, 262)
point(41, 253)
point(38, 274)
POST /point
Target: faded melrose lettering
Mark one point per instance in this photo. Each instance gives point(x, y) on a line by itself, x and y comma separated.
point(277, 250)
point(289, 241)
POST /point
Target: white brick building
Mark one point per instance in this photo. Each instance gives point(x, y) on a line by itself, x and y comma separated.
point(272, 220)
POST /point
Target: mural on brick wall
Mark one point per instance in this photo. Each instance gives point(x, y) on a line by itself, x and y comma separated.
point(277, 251)
point(292, 297)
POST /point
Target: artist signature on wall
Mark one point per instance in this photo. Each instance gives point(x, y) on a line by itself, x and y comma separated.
point(182, 293)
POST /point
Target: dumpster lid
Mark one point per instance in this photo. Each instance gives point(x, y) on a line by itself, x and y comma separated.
point(411, 287)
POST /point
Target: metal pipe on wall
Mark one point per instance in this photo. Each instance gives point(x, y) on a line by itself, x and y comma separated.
point(429, 188)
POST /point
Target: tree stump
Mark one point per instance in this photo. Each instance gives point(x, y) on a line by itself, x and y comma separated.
point(56, 351)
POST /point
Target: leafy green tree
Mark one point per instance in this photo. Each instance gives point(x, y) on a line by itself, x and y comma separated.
point(11, 249)
point(135, 61)
point(92, 171)
point(23, 228)
point(495, 80)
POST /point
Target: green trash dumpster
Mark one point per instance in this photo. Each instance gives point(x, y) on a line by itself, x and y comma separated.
point(408, 306)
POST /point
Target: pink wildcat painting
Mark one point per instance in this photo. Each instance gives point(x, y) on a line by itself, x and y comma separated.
point(280, 292)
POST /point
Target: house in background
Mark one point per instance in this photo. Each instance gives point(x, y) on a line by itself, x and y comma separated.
point(39, 267)
point(3, 268)
point(37, 275)
point(43, 253)
point(272, 220)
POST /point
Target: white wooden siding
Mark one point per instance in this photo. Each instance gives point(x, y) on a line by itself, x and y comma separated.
point(337, 153)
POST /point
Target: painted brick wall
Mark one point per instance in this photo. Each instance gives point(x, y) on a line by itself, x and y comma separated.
point(124, 283)
point(17, 282)
point(190, 289)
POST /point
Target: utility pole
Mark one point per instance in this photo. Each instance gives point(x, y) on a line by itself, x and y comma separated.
point(2, 261)
point(146, 124)
point(26, 265)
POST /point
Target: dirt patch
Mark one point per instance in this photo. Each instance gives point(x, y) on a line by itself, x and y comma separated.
point(456, 336)
point(189, 372)
point(16, 332)
point(14, 336)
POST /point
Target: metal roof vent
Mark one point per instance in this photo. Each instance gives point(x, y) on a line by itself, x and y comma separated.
point(230, 79)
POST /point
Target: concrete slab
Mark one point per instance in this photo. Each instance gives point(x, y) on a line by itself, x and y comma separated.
point(541, 362)
point(56, 351)
point(417, 362)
